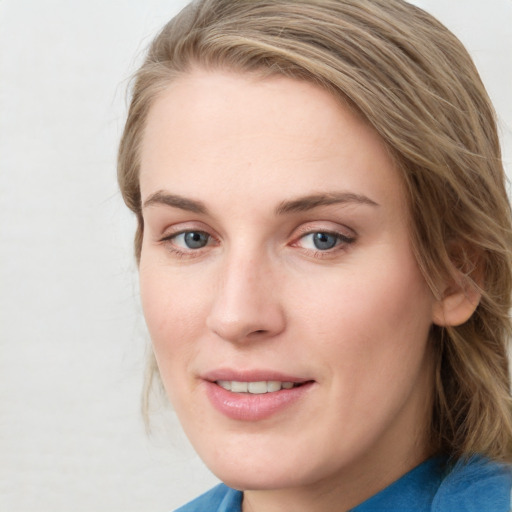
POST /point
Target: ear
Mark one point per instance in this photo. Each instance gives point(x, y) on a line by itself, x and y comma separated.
point(461, 294)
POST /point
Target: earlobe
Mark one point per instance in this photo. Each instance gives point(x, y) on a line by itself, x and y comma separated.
point(457, 304)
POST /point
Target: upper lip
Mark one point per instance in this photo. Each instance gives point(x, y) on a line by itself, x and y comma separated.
point(253, 375)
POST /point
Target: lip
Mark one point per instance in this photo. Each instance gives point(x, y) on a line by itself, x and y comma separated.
point(251, 376)
point(253, 407)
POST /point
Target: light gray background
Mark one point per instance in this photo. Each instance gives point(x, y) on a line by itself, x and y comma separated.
point(72, 339)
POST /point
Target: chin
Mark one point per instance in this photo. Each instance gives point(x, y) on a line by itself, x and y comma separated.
point(246, 478)
point(266, 469)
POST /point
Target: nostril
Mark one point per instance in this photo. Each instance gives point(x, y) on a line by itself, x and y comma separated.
point(257, 333)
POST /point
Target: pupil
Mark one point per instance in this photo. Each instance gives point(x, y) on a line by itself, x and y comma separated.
point(324, 241)
point(196, 239)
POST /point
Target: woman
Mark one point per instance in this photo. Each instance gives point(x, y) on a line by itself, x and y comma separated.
point(324, 253)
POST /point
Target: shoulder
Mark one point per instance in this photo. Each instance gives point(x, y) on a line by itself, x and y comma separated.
point(475, 485)
point(219, 499)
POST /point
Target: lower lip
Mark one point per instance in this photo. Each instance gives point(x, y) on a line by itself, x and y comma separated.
point(252, 407)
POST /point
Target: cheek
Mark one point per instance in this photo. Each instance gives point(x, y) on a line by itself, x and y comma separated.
point(171, 311)
point(365, 320)
point(156, 305)
point(369, 336)
point(171, 319)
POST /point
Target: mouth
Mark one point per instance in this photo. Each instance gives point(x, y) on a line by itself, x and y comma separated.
point(257, 387)
point(255, 396)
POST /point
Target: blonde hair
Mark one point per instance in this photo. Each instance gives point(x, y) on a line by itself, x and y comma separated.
point(416, 85)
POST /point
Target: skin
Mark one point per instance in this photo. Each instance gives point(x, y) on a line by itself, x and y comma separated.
point(353, 319)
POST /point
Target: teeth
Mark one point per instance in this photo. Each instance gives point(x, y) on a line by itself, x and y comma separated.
point(226, 384)
point(239, 387)
point(256, 388)
point(273, 385)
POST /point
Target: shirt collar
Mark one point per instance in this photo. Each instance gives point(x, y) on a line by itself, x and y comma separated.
point(417, 487)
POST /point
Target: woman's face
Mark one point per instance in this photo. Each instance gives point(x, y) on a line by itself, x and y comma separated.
point(288, 315)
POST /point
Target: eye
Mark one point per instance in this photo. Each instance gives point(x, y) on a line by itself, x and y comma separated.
point(190, 239)
point(323, 240)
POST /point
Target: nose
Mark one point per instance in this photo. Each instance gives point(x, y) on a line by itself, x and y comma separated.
point(246, 304)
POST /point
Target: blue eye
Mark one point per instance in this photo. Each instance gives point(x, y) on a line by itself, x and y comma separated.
point(324, 241)
point(191, 239)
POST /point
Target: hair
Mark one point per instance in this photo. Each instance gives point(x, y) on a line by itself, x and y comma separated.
point(413, 81)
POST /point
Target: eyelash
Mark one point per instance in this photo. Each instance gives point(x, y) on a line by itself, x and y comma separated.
point(341, 243)
point(169, 241)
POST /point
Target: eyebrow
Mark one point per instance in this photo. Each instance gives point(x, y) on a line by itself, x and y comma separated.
point(301, 204)
point(175, 201)
point(310, 202)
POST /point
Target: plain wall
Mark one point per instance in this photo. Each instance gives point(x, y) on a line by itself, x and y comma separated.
point(72, 338)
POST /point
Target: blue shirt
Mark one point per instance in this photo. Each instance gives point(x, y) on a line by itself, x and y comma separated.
point(474, 486)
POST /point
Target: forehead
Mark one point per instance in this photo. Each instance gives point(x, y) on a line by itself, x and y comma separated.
point(251, 132)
